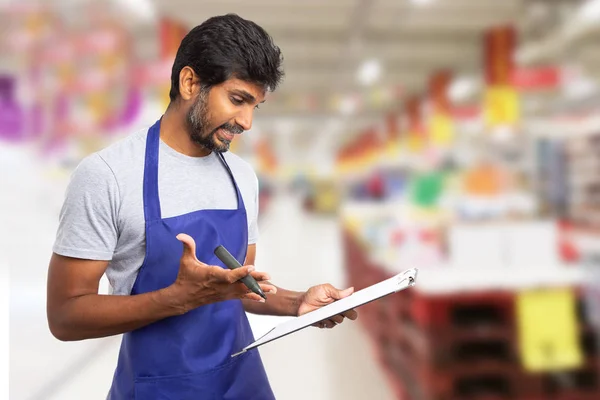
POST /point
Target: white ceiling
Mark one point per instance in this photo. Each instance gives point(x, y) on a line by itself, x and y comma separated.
point(325, 42)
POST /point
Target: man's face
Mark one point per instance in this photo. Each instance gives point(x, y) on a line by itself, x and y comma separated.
point(215, 117)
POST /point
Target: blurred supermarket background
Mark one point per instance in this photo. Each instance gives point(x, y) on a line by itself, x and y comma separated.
point(461, 137)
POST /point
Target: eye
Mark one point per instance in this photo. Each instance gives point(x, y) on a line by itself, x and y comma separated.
point(237, 101)
point(256, 107)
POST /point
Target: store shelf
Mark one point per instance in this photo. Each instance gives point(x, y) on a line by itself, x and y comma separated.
point(454, 336)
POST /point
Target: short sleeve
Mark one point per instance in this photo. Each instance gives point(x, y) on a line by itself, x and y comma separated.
point(88, 218)
point(253, 233)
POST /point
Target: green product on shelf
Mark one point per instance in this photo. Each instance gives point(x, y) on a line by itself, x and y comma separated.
point(427, 189)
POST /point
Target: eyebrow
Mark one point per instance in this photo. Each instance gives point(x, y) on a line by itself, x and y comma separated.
point(247, 96)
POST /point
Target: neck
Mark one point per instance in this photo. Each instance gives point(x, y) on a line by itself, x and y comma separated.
point(173, 132)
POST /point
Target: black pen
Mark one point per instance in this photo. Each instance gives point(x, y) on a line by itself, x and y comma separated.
point(231, 263)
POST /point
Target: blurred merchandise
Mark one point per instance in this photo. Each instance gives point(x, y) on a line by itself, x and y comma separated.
point(545, 348)
point(459, 137)
point(427, 189)
point(467, 333)
point(323, 196)
point(12, 118)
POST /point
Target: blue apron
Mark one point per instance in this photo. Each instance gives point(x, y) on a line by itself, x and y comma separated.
point(188, 357)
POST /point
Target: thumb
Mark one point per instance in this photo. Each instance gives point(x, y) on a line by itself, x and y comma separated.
point(340, 294)
point(189, 246)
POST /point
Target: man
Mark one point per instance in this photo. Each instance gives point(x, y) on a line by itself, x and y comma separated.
point(149, 211)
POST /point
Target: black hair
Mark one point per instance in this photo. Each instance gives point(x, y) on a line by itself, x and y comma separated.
point(225, 47)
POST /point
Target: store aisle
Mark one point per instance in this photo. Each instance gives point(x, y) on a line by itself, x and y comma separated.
point(298, 250)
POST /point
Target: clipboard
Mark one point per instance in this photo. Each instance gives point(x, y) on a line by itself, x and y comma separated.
point(374, 292)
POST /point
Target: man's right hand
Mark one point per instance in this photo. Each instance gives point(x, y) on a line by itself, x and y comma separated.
point(76, 311)
point(198, 284)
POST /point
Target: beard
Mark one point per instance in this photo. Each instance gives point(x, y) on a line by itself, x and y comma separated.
point(198, 123)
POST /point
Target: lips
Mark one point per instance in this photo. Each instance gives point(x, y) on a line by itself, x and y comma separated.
point(224, 135)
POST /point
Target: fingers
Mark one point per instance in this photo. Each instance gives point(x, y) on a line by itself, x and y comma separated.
point(238, 289)
point(333, 321)
point(336, 320)
point(268, 288)
point(260, 276)
point(340, 294)
point(189, 246)
point(222, 275)
point(243, 291)
point(351, 314)
point(252, 296)
point(238, 273)
point(326, 324)
point(235, 275)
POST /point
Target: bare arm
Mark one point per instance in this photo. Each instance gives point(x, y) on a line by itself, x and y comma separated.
point(76, 311)
point(283, 303)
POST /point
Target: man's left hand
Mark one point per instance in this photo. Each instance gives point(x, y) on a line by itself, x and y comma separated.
point(321, 295)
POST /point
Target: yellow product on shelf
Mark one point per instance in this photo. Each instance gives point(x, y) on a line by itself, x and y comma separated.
point(442, 130)
point(548, 330)
point(326, 196)
point(501, 106)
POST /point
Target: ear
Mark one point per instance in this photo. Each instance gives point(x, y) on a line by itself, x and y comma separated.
point(189, 83)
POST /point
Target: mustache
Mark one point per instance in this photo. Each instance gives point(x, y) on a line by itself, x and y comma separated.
point(235, 129)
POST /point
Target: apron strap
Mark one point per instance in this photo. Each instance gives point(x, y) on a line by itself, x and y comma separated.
point(241, 255)
point(240, 200)
point(151, 199)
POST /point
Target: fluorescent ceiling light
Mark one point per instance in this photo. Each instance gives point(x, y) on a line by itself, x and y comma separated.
point(590, 11)
point(422, 2)
point(144, 9)
point(369, 72)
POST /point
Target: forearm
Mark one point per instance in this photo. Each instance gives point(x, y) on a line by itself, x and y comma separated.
point(284, 303)
point(94, 316)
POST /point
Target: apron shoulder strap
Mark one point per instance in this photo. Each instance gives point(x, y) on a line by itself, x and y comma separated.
point(237, 189)
point(151, 199)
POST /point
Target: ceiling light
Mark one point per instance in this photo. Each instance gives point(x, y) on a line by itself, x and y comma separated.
point(590, 11)
point(369, 72)
point(422, 2)
point(143, 9)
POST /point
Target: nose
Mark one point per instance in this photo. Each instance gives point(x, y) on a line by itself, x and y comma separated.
point(244, 118)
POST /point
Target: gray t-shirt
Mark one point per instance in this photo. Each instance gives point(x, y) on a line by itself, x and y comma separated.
point(102, 217)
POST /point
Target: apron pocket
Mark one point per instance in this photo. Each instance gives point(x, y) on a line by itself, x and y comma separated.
point(176, 387)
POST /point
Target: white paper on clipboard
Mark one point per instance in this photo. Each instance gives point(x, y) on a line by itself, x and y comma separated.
point(392, 285)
